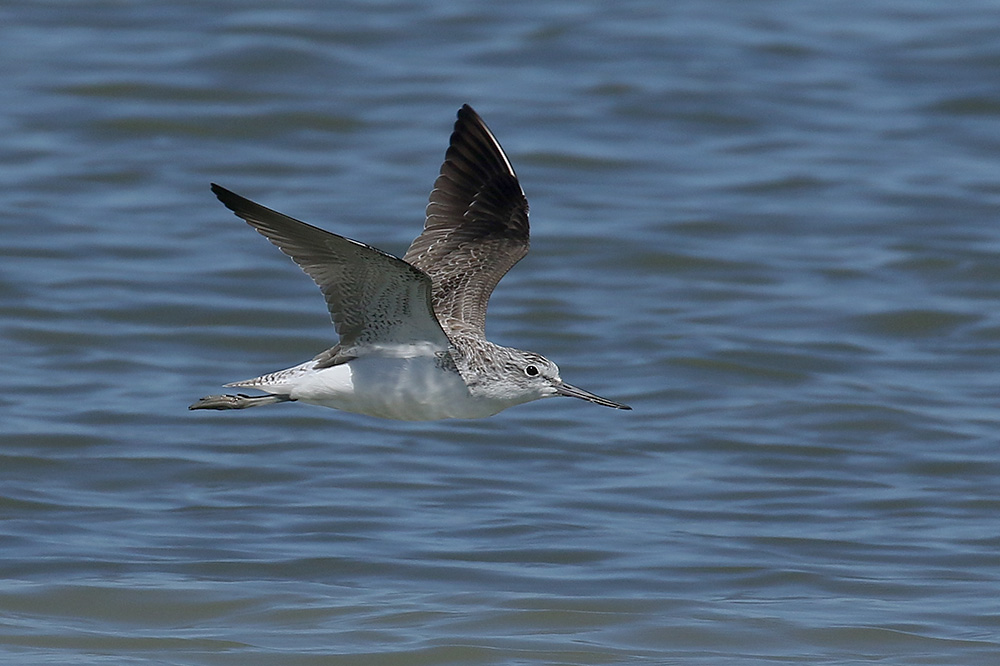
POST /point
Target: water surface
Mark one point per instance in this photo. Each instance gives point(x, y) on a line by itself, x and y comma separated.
point(770, 227)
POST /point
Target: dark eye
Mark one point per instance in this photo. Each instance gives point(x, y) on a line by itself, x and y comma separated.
point(531, 371)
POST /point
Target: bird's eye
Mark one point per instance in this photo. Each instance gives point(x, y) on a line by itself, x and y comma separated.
point(531, 371)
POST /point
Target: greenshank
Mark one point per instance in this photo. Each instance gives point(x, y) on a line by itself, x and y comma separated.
point(412, 343)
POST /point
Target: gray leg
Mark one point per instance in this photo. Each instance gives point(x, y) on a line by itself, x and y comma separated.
point(239, 401)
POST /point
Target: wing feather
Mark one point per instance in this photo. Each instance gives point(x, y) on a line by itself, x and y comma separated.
point(374, 298)
point(476, 227)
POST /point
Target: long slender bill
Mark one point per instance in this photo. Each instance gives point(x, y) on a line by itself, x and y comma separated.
point(568, 389)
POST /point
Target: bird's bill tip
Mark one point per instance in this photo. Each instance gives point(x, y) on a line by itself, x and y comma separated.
point(573, 392)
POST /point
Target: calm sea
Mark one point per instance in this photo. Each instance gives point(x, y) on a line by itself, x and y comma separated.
point(771, 227)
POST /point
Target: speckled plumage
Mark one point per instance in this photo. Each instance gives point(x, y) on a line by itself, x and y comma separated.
point(412, 331)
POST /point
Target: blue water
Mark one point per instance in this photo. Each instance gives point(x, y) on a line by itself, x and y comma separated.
point(770, 227)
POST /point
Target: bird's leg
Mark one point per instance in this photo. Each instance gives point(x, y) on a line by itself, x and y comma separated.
point(239, 401)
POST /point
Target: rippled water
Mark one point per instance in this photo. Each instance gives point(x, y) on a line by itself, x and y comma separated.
point(771, 227)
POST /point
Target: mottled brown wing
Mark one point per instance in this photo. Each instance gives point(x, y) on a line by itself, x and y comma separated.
point(476, 228)
point(373, 297)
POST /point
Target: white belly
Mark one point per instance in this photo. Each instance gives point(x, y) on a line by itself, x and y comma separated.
point(406, 389)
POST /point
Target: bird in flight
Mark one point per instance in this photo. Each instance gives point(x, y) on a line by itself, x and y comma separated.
point(412, 343)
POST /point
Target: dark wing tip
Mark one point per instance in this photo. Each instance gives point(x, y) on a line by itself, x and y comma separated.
point(276, 226)
point(229, 199)
point(472, 133)
point(468, 113)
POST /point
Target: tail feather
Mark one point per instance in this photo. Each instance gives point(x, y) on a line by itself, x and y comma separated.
point(275, 382)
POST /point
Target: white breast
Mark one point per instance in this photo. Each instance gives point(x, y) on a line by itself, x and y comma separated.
point(407, 389)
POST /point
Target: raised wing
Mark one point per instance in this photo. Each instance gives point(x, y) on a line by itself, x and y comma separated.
point(476, 228)
point(374, 298)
